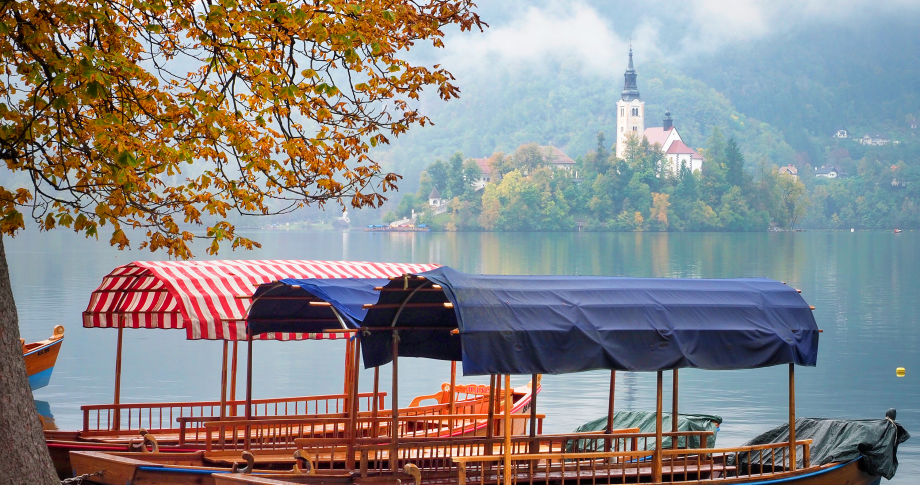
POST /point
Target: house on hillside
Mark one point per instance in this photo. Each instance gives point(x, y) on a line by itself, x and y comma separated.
point(877, 139)
point(556, 157)
point(486, 175)
point(827, 171)
point(841, 133)
point(790, 170)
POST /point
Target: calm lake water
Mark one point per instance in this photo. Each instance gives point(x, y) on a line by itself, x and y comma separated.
point(865, 285)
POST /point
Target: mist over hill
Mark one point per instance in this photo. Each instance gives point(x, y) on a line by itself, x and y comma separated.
point(779, 78)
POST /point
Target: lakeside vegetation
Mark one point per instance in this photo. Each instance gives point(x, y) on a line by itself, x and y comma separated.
point(879, 190)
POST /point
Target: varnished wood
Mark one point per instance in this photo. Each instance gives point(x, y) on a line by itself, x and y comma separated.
point(792, 458)
point(507, 448)
point(395, 399)
point(233, 377)
point(223, 383)
point(116, 420)
point(674, 395)
point(656, 456)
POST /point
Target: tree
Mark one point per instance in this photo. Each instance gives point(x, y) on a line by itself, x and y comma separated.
point(794, 199)
point(274, 105)
point(734, 164)
point(456, 181)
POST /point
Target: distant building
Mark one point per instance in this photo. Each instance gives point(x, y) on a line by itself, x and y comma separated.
point(827, 171)
point(790, 170)
point(486, 176)
point(556, 157)
point(434, 198)
point(679, 155)
point(841, 133)
point(875, 139)
point(630, 110)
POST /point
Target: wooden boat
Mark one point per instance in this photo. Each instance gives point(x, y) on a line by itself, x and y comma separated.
point(41, 356)
point(195, 468)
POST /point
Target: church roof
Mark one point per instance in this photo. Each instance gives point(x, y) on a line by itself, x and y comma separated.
point(630, 89)
point(556, 156)
point(434, 194)
point(657, 134)
point(679, 148)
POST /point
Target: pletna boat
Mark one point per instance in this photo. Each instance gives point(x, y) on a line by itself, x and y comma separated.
point(41, 356)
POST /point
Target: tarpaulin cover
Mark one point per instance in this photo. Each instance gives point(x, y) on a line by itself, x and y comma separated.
point(645, 421)
point(285, 306)
point(841, 440)
point(561, 324)
point(209, 299)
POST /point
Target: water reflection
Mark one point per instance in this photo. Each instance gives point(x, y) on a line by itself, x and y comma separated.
point(44, 413)
point(862, 284)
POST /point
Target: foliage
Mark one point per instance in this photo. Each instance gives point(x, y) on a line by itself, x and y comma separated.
point(153, 114)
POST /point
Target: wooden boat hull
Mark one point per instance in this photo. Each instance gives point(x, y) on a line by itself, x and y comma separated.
point(40, 358)
point(834, 474)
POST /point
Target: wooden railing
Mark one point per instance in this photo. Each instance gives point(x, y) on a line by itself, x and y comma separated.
point(176, 417)
point(738, 464)
point(322, 434)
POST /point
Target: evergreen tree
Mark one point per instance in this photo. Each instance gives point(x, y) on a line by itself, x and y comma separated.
point(734, 164)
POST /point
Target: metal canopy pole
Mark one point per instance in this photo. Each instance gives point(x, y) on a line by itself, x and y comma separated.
point(656, 457)
point(792, 458)
point(376, 403)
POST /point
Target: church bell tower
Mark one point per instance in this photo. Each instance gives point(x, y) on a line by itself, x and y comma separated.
point(630, 110)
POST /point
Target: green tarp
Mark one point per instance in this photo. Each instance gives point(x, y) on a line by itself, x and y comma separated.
point(838, 441)
point(645, 421)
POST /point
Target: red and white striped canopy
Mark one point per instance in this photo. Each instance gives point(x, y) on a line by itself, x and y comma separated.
point(209, 299)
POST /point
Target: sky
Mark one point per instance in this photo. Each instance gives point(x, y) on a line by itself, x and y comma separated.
point(597, 33)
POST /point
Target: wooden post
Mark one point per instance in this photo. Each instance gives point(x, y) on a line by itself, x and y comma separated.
point(376, 401)
point(247, 440)
point(233, 379)
point(497, 401)
point(452, 400)
point(116, 419)
point(674, 440)
point(223, 385)
point(353, 412)
point(534, 387)
point(507, 447)
point(656, 457)
point(489, 429)
point(394, 431)
point(608, 444)
point(792, 458)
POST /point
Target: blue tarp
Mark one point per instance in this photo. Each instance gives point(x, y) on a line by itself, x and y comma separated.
point(277, 308)
point(561, 324)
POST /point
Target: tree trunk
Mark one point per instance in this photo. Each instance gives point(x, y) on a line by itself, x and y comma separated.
point(24, 457)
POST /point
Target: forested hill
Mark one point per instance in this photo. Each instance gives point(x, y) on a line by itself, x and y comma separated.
point(863, 76)
point(562, 105)
point(781, 96)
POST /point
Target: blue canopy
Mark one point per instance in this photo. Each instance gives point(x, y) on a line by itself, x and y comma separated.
point(561, 324)
point(285, 306)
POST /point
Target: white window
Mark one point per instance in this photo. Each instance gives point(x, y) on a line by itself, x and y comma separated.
point(635, 128)
point(622, 112)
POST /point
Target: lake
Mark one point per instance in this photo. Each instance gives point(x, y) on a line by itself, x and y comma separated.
point(865, 287)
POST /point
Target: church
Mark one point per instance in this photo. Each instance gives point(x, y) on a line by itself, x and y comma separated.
point(631, 123)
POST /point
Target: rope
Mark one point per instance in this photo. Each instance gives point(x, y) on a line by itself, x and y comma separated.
point(79, 480)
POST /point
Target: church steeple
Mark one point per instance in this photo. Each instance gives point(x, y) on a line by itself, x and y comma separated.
point(630, 89)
